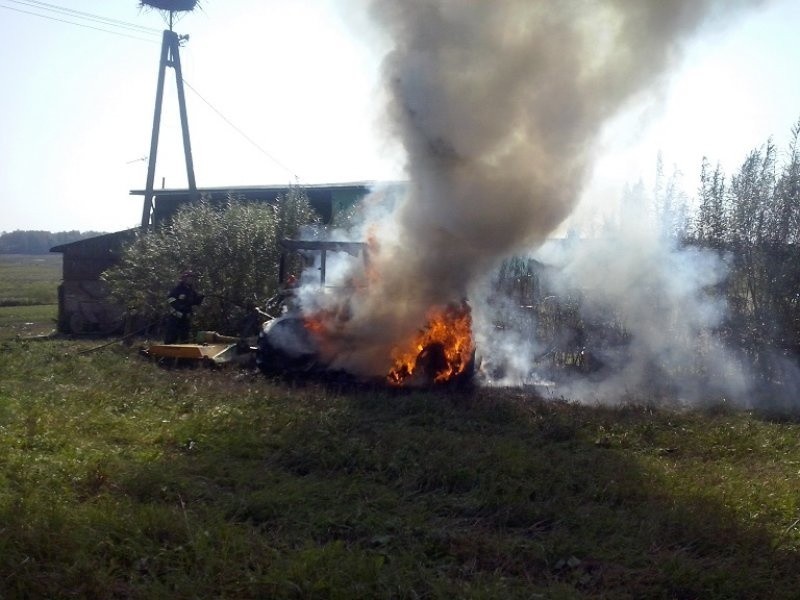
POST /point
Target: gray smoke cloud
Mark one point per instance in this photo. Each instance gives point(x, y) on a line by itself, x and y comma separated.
point(498, 106)
point(661, 295)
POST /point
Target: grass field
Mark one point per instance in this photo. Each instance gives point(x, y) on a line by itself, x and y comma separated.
point(28, 294)
point(26, 321)
point(29, 279)
point(122, 479)
point(119, 478)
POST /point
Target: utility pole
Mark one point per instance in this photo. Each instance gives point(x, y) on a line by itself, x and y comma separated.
point(170, 57)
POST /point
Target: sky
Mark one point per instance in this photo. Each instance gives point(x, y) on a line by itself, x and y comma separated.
point(289, 92)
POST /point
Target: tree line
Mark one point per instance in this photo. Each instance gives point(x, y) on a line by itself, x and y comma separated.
point(750, 218)
point(39, 242)
point(753, 218)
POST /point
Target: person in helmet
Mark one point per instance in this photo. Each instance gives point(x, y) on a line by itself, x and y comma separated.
point(181, 300)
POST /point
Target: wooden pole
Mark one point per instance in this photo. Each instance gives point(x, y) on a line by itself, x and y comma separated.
point(187, 146)
point(151, 165)
point(170, 57)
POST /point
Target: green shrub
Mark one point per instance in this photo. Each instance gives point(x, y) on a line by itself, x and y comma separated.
point(233, 249)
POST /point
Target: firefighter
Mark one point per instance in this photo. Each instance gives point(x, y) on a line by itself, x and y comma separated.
point(182, 299)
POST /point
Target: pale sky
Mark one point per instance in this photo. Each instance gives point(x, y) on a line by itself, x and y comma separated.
point(300, 79)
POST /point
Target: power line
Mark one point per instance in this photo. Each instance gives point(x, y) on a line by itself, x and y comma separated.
point(86, 16)
point(119, 33)
point(242, 133)
point(76, 14)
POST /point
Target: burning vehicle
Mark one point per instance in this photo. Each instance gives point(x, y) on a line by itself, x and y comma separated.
point(312, 336)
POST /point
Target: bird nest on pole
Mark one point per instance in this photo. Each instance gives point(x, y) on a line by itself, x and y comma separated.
point(170, 5)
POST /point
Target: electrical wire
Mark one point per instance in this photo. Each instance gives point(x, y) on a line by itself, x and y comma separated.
point(76, 14)
point(119, 33)
point(242, 133)
point(86, 16)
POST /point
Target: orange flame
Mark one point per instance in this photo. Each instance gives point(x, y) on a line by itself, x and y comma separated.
point(443, 349)
point(438, 353)
point(320, 326)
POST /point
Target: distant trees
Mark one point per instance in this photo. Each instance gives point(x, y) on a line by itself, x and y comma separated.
point(754, 219)
point(709, 227)
point(787, 208)
point(39, 242)
point(670, 202)
point(233, 249)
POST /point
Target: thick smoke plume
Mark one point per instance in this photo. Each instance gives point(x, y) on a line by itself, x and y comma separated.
point(498, 105)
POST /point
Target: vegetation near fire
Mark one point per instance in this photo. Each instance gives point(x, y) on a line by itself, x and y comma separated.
point(748, 221)
point(233, 249)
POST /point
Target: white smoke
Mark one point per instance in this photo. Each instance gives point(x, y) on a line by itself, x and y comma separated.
point(499, 106)
point(663, 297)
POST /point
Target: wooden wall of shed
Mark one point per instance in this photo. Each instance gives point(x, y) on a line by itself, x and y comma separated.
point(83, 268)
point(83, 301)
point(85, 307)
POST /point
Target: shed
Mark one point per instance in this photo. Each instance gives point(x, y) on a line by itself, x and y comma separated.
point(84, 305)
point(83, 302)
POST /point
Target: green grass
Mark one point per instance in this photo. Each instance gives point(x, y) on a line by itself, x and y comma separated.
point(27, 280)
point(122, 479)
point(27, 321)
point(28, 294)
point(119, 479)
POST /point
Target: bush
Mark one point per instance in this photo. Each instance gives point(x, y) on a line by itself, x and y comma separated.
point(233, 250)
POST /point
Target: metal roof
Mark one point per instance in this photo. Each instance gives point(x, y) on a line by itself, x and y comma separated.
point(92, 244)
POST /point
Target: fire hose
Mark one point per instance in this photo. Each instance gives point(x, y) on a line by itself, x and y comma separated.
point(266, 314)
point(124, 337)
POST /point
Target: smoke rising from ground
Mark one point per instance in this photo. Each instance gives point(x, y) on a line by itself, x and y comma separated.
point(659, 298)
point(498, 106)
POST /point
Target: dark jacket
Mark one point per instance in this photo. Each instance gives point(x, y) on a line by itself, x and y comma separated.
point(182, 299)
